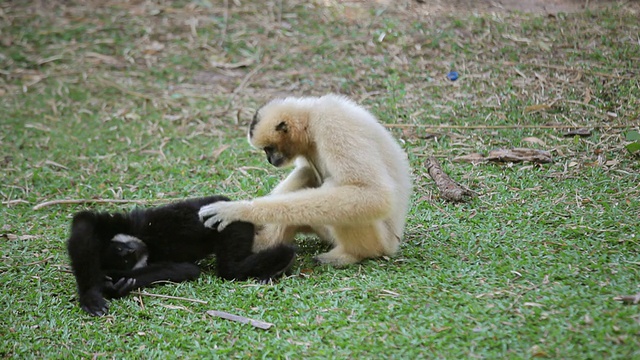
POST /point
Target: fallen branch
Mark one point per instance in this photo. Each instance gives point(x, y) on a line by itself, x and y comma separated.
point(519, 154)
point(449, 189)
point(628, 299)
point(508, 155)
point(169, 297)
point(241, 319)
point(87, 201)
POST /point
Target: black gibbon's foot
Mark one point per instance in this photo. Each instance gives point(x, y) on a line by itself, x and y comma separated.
point(282, 261)
point(286, 259)
point(93, 303)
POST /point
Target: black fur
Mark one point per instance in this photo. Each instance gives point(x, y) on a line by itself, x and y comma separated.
point(175, 239)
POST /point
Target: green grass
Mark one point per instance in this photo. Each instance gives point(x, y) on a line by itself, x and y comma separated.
point(527, 269)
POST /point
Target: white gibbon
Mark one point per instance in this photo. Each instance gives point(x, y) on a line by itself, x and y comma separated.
point(351, 184)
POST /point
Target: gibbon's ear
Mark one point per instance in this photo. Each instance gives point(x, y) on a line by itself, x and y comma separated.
point(282, 127)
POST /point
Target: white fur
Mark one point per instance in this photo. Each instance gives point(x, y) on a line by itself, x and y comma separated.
point(351, 182)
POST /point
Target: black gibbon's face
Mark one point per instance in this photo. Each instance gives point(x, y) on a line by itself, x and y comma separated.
point(125, 253)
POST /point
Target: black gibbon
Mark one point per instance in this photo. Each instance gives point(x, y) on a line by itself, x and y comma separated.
point(114, 253)
point(351, 183)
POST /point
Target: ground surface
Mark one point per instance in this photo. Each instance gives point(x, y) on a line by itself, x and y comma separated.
point(149, 101)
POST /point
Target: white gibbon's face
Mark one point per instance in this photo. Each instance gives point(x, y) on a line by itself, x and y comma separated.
point(271, 135)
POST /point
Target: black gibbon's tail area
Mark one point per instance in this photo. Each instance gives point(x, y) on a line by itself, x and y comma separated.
point(114, 253)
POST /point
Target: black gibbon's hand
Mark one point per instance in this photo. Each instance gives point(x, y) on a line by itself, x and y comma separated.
point(93, 303)
point(124, 286)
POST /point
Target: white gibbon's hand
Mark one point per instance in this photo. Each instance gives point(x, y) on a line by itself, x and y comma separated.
point(222, 213)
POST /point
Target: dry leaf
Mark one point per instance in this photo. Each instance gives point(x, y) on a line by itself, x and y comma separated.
point(588, 320)
point(534, 140)
point(105, 59)
point(153, 48)
point(20, 237)
point(440, 329)
point(240, 64)
point(628, 299)
point(517, 38)
point(53, 163)
point(174, 307)
point(537, 351)
point(532, 304)
point(217, 152)
point(544, 46)
point(587, 96)
point(389, 292)
point(536, 108)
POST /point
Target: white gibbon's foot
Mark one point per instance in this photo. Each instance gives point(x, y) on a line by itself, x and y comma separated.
point(337, 257)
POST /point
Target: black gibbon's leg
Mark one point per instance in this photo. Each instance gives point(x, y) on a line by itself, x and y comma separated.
point(267, 264)
point(236, 261)
point(122, 282)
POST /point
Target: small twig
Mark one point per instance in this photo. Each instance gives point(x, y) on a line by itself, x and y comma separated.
point(139, 299)
point(169, 297)
point(16, 201)
point(87, 201)
point(241, 319)
point(39, 262)
point(449, 189)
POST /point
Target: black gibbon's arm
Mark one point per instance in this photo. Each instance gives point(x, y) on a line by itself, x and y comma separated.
point(85, 250)
point(123, 281)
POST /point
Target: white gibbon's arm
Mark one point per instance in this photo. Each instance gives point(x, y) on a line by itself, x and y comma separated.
point(327, 205)
point(301, 177)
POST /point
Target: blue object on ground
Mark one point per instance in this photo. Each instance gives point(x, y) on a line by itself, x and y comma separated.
point(453, 75)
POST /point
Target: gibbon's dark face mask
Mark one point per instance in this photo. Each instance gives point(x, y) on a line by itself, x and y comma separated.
point(125, 255)
point(275, 157)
